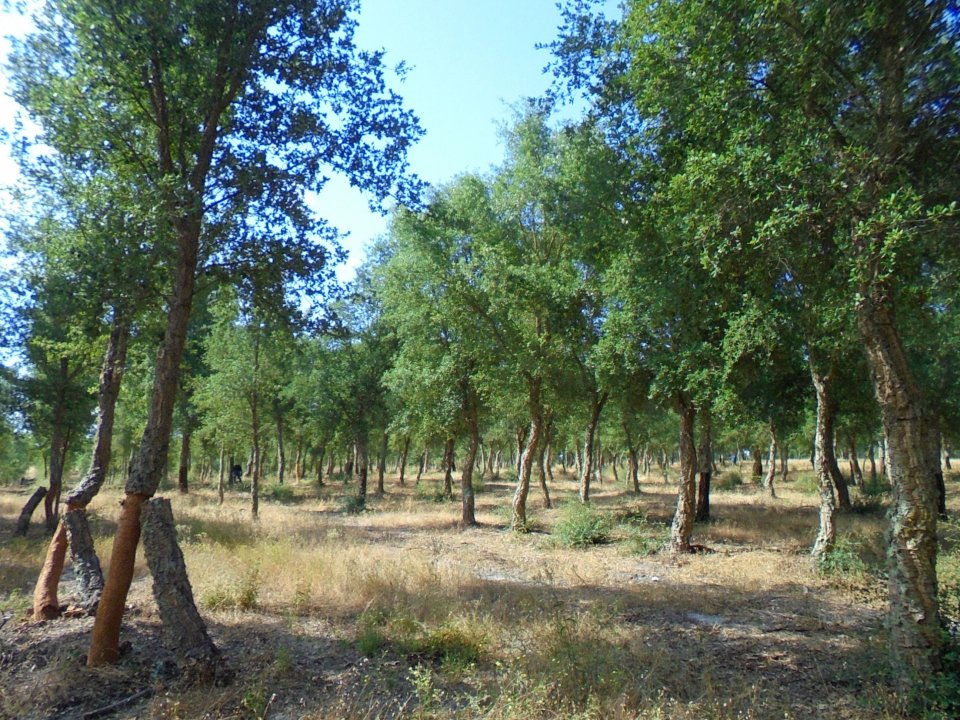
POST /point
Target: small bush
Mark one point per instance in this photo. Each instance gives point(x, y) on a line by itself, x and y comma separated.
point(353, 505)
point(843, 559)
point(240, 595)
point(283, 494)
point(728, 481)
point(581, 525)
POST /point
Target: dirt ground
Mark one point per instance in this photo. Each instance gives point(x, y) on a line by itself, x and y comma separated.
point(746, 629)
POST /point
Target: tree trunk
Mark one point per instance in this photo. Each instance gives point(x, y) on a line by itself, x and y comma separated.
point(183, 482)
point(46, 604)
point(872, 461)
point(23, 522)
point(403, 459)
point(683, 518)
point(527, 457)
point(298, 461)
point(704, 455)
point(784, 464)
point(281, 454)
point(420, 467)
point(363, 462)
point(468, 513)
point(86, 565)
point(255, 477)
point(757, 468)
point(183, 628)
point(382, 463)
point(917, 645)
point(221, 479)
point(856, 473)
point(771, 461)
point(596, 408)
point(448, 468)
point(823, 447)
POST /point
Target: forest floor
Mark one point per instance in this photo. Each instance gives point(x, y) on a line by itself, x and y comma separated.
point(398, 613)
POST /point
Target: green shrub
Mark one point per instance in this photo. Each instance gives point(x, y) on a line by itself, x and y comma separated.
point(353, 505)
point(581, 525)
point(843, 559)
point(728, 481)
point(283, 494)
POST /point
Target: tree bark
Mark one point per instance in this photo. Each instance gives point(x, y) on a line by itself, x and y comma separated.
point(363, 462)
point(598, 400)
point(527, 457)
point(917, 641)
point(468, 502)
point(183, 629)
point(183, 482)
point(23, 522)
point(683, 518)
point(382, 463)
point(281, 453)
point(704, 455)
point(221, 479)
point(403, 459)
point(856, 473)
point(823, 446)
point(448, 468)
point(771, 461)
point(46, 604)
point(86, 564)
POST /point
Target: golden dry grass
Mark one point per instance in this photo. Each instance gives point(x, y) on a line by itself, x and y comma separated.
point(398, 612)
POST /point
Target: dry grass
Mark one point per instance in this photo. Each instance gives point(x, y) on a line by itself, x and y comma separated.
point(397, 612)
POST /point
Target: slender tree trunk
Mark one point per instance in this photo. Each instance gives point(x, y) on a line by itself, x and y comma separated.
point(221, 479)
point(58, 452)
point(872, 462)
point(771, 461)
point(757, 469)
point(183, 481)
point(589, 443)
point(382, 463)
point(255, 478)
point(823, 448)
point(704, 455)
point(468, 513)
point(527, 457)
point(420, 466)
point(23, 522)
point(784, 464)
point(403, 459)
point(281, 454)
point(363, 463)
point(856, 473)
point(298, 461)
point(683, 518)
point(448, 468)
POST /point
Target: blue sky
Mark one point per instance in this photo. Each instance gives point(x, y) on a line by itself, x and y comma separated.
point(470, 62)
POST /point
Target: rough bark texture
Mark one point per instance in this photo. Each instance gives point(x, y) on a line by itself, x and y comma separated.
point(23, 522)
point(823, 384)
point(382, 463)
point(856, 473)
point(527, 457)
point(823, 444)
point(683, 518)
point(917, 644)
point(363, 463)
point(86, 564)
point(771, 461)
point(183, 629)
point(704, 455)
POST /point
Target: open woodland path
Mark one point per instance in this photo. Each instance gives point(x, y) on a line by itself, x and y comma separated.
point(398, 613)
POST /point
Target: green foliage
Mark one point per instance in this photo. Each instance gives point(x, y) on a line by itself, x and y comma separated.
point(580, 525)
point(845, 558)
point(641, 536)
point(727, 481)
point(283, 494)
point(353, 505)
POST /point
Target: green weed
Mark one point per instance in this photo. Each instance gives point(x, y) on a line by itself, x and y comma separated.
point(581, 525)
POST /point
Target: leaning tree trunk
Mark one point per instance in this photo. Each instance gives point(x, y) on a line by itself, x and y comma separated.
point(528, 456)
point(23, 522)
point(598, 400)
point(146, 469)
point(823, 446)
point(46, 604)
point(917, 639)
point(704, 456)
point(183, 628)
point(683, 518)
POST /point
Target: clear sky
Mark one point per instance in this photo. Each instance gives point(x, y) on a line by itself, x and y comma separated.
point(470, 62)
